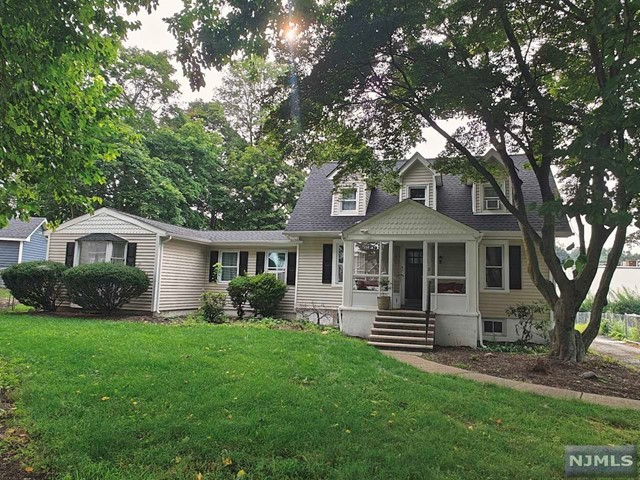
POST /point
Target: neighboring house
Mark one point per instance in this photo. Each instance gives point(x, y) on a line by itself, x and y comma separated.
point(22, 241)
point(342, 248)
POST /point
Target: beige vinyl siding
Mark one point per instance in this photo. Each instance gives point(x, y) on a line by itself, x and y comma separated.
point(494, 304)
point(286, 305)
point(183, 275)
point(311, 290)
point(145, 253)
point(418, 175)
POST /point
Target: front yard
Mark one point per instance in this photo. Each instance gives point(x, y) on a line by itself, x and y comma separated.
point(122, 400)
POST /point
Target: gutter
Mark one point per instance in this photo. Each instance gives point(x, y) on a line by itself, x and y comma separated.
point(480, 339)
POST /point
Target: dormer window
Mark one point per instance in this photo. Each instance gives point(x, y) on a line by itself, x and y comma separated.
point(491, 199)
point(349, 200)
point(418, 194)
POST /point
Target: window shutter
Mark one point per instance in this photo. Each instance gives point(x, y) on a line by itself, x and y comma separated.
point(70, 254)
point(213, 259)
point(515, 267)
point(244, 263)
point(132, 248)
point(259, 263)
point(327, 262)
point(292, 260)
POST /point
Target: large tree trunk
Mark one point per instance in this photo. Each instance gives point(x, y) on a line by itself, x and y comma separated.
point(566, 341)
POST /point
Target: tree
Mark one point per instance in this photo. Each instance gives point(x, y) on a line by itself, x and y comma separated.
point(147, 84)
point(56, 115)
point(554, 80)
point(247, 93)
point(263, 188)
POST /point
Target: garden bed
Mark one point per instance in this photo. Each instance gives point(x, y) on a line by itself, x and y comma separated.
point(611, 378)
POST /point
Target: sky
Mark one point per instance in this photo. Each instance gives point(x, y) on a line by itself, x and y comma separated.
point(154, 36)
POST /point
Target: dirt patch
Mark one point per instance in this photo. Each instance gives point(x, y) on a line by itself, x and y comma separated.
point(11, 441)
point(117, 317)
point(610, 378)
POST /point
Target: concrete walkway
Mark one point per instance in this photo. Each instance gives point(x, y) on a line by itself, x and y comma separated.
point(624, 352)
point(433, 367)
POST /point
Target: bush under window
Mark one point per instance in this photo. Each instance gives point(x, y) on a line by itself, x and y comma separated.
point(265, 293)
point(212, 306)
point(238, 289)
point(37, 284)
point(104, 287)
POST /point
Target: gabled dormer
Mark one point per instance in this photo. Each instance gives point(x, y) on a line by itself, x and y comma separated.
point(418, 181)
point(485, 200)
point(350, 196)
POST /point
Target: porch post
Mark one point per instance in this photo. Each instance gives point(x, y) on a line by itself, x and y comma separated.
point(425, 270)
point(347, 283)
point(473, 278)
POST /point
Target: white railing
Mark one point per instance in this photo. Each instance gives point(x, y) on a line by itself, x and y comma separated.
point(617, 325)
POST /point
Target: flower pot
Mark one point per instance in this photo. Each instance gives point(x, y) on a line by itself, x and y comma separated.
point(384, 303)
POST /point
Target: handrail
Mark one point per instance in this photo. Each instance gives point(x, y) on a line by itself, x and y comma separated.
point(427, 311)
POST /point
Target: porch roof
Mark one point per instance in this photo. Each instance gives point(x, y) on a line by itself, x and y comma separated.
point(409, 218)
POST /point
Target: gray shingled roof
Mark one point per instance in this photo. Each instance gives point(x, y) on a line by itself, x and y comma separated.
point(20, 230)
point(216, 236)
point(313, 210)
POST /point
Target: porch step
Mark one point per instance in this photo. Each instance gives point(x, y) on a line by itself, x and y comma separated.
point(400, 326)
point(402, 346)
point(399, 339)
point(396, 318)
point(402, 313)
point(394, 331)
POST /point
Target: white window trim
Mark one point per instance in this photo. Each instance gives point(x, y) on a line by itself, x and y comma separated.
point(224, 282)
point(275, 272)
point(493, 334)
point(427, 193)
point(505, 267)
point(351, 213)
point(334, 280)
point(107, 255)
point(480, 209)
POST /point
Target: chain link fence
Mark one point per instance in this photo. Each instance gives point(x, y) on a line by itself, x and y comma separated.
point(615, 325)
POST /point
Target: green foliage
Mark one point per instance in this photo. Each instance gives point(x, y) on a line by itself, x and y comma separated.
point(508, 347)
point(37, 284)
point(212, 306)
point(265, 293)
point(104, 287)
point(587, 304)
point(624, 300)
point(532, 318)
point(238, 290)
point(57, 113)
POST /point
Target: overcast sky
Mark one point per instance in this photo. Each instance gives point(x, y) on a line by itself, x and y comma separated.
point(153, 35)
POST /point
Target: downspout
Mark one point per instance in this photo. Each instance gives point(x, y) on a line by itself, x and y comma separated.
point(158, 271)
point(20, 249)
point(480, 340)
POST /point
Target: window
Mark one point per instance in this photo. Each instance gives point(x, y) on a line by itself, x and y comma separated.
point(491, 199)
point(349, 200)
point(418, 194)
point(446, 268)
point(230, 265)
point(371, 266)
point(494, 267)
point(493, 326)
point(338, 249)
point(277, 264)
point(102, 251)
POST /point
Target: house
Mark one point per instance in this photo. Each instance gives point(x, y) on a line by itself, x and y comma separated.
point(343, 247)
point(22, 241)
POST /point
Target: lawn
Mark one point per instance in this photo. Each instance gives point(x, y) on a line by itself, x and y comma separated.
point(118, 400)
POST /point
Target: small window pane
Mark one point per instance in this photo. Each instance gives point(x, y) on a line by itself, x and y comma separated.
point(348, 200)
point(418, 194)
point(117, 252)
point(277, 260)
point(340, 264)
point(494, 256)
point(366, 258)
point(93, 252)
point(490, 192)
point(488, 326)
point(229, 259)
point(497, 327)
point(229, 262)
point(494, 277)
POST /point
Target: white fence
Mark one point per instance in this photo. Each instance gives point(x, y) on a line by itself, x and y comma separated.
point(616, 325)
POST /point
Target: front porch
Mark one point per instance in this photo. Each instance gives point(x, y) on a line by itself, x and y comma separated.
point(422, 262)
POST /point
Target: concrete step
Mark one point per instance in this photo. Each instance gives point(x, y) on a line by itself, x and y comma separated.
point(401, 346)
point(399, 332)
point(398, 339)
point(402, 313)
point(400, 326)
point(396, 318)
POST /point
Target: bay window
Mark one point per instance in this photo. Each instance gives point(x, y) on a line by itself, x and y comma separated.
point(99, 251)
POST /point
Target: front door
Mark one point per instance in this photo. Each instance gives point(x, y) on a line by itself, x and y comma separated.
point(413, 278)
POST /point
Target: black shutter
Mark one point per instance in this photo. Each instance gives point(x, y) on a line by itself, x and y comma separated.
point(70, 254)
point(244, 263)
point(515, 267)
point(291, 268)
point(259, 263)
point(213, 259)
point(327, 262)
point(132, 248)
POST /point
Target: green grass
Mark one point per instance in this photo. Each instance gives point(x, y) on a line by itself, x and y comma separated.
point(5, 294)
point(116, 400)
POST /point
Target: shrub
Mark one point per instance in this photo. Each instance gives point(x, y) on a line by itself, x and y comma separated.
point(238, 290)
point(531, 317)
point(586, 304)
point(36, 284)
point(624, 300)
point(104, 287)
point(265, 293)
point(212, 307)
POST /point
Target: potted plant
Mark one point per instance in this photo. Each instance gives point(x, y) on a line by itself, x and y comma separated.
point(384, 300)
